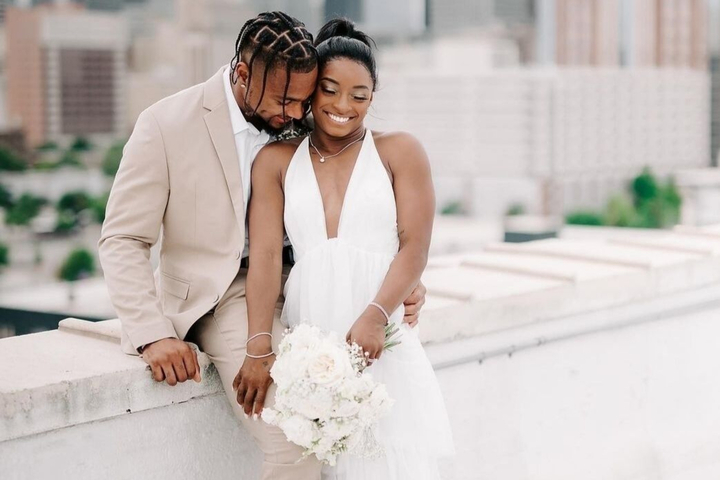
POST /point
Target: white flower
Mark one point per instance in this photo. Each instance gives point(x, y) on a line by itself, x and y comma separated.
point(299, 430)
point(316, 405)
point(323, 402)
point(347, 408)
point(270, 416)
point(329, 366)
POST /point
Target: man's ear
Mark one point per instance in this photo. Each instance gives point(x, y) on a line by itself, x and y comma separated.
point(242, 72)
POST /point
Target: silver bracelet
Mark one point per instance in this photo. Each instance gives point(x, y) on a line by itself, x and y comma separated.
point(257, 335)
point(260, 356)
point(387, 317)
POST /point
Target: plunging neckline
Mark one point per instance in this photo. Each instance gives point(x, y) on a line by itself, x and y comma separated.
point(347, 187)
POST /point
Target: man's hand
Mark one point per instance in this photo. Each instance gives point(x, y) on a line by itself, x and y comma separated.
point(172, 360)
point(413, 304)
point(252, 383)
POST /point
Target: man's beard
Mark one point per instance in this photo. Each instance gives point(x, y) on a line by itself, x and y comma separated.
point(261, 124)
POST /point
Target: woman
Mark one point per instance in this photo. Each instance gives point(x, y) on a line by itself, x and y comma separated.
point(358, 207)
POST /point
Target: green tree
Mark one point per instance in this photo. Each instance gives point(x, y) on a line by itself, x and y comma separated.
point(4, 255)
point(45, 165)
point(111, 162)
point(584, 218)
point(25, 209)
point(81, 144)
point(516, 209)
point(658, 205)
point(78, 264)
point(48, 146)
point(9, 161)
point(620, 212)
point(70, 159)
point(98, 207)
point(452, 208)
point(74, 202)
point(6, 200)
point(66, 221)
point(644, 187)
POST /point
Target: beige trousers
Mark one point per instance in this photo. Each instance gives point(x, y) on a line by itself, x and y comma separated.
point(221, 334)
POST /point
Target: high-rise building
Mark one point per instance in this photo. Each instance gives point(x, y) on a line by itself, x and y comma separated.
point(447, 16)
point(453, 16)
point(65, 72)
point(399, 19)
point(515, 12)
point(555, 140)
point(666, 33)
point(714, 50)
point(491, 22)
point(310, 12)
point(578, 32)
point(643, 33)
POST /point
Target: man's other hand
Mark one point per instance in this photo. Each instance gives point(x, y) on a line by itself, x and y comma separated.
point(172, 360)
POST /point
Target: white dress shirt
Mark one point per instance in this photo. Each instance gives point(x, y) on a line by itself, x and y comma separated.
point(248, 142)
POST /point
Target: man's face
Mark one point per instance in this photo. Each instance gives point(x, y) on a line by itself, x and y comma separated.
point(268, 106)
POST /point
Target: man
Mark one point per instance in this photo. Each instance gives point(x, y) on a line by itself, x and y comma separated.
point(186, 168)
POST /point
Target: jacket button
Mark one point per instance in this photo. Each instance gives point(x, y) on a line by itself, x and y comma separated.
point(237, 254)
point(216, 298)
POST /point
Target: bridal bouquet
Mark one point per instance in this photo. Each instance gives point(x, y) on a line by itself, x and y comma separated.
point(326, 401)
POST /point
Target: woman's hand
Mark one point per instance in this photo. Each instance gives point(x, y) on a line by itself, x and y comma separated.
point(368, 331)
point(252, 383)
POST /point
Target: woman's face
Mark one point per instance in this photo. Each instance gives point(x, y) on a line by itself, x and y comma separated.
point(342, 97)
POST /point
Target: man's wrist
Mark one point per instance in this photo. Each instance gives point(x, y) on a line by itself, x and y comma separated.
point(142, 348)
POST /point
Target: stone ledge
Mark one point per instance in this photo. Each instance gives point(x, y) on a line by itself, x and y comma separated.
point(63, 379)
point(78, 374)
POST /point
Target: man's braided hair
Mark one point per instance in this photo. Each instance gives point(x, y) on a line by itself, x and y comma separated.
point(274, 39)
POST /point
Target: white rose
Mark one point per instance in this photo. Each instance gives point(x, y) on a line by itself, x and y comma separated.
point(346, 409)
point(329, 366)
point(317, 404)
point(289, 367)
point(270, 416)
point(299, 430)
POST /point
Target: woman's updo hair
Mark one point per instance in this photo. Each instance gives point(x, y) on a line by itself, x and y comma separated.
point(339, 38)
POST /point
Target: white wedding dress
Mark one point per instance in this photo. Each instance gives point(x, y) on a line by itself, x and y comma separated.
point(331, 284)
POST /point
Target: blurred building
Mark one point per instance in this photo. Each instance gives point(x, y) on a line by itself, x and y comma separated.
point(667, 33)
point(551, 140)
point(641, 33)
point(66, 72)
point(500, 20)
point(180, 43)
point(586, 32)
point(383, 20)
point(109, 5)
point(714, 43)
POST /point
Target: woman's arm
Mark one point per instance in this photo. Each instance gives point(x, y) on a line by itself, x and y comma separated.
point(265, 229)
point(415, 200)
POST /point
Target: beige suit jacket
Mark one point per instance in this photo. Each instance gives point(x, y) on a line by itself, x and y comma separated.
point(179, 171)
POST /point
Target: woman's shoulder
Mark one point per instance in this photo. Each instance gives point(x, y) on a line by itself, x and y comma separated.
point(398, 145)
point(396, 137)
point(280, 152)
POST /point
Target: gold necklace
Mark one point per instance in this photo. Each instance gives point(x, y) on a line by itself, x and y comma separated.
point(324, 157)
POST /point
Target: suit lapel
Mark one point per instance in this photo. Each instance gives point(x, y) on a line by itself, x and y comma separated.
point(218, 124)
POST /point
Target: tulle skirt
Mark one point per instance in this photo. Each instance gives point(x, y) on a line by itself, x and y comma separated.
point(330, 287)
